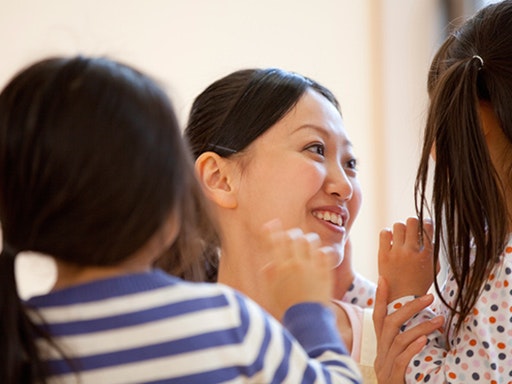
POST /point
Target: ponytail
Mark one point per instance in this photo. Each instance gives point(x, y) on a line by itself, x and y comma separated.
point(20, 362)
point(467, 196)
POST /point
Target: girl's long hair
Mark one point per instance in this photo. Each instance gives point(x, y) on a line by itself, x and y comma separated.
point(473, 65)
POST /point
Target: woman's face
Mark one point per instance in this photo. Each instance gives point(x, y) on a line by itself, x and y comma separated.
point(302, 171)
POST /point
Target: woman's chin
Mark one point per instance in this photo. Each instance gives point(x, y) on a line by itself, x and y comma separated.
point(338, 256)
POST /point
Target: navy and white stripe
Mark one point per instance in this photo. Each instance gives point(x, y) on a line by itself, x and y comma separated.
point(154, 328)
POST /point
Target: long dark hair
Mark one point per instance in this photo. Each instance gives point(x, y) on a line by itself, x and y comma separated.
point(92, 163)
point(469, 208)
point(235, 110)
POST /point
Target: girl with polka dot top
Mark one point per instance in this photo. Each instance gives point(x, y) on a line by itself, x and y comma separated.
point(468, 136)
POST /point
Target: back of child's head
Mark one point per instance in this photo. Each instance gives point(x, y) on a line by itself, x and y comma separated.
point(91, 160)
point(92, 163)
point(473, 68)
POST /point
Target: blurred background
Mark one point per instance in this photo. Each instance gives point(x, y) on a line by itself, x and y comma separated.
point(373, 54)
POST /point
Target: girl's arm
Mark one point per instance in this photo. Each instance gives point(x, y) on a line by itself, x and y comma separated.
point(481, 349)
point(480, 352)
point(306, 350)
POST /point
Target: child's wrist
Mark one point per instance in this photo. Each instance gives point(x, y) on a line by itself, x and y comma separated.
point(406, 292)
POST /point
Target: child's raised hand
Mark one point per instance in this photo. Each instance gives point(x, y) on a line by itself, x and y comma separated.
point(300, 269)
point(406, 264)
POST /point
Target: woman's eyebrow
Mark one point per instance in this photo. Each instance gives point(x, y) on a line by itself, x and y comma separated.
point(321, 130)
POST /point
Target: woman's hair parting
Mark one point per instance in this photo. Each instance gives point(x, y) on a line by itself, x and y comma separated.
point(473, 66)
point(92, 163)
point(235, 110)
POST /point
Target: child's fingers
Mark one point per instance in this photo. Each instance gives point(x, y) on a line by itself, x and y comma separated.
point(385, 241)
point(412, 232)
point(391, 369)
point(399, 230)
point(327, 256)
point(272, 226)
point(311, 242)
point(293, 244)
point(281, 244)
point(269, 232)
point(389, 325)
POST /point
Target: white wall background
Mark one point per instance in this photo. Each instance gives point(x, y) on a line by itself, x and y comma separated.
point(373, 54)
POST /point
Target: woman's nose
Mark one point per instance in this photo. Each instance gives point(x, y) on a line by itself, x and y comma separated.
point(338, 183)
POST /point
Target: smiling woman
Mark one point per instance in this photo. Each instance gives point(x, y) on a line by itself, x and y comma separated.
point(270, 144)
point(290, 158)
point(299, 171)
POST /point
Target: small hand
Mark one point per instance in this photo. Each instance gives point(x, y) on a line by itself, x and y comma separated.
point(300, 270)
point(406, 264)
point(394, 348)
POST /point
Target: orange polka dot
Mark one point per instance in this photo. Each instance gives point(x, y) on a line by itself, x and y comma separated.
point(428, 358)
point(420, 377)
point(508, 249)
point(494, 382)
point(505, 283)
point(452, 375)
point(397, 305)
point(492, 320)
point(501, 345)
point(475, 311)
point(370, 301)
point(472, 342)
point(491, 276)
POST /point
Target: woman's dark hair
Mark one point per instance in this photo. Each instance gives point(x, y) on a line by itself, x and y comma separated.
point(235, 110)
point(468, 203)
point(92, 163)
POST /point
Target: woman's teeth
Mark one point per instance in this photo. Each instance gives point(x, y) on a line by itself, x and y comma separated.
point(329, 216)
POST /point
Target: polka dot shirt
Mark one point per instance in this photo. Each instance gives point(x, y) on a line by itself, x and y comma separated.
point(361, 292)
point(482, 350)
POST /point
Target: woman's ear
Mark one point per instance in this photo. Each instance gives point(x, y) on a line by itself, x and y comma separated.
point(216, 176)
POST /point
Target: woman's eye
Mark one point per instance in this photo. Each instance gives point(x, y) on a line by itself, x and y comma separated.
point(352, 164)
point(318, 149)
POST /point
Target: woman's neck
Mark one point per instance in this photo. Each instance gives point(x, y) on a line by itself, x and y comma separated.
point(240, 270)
